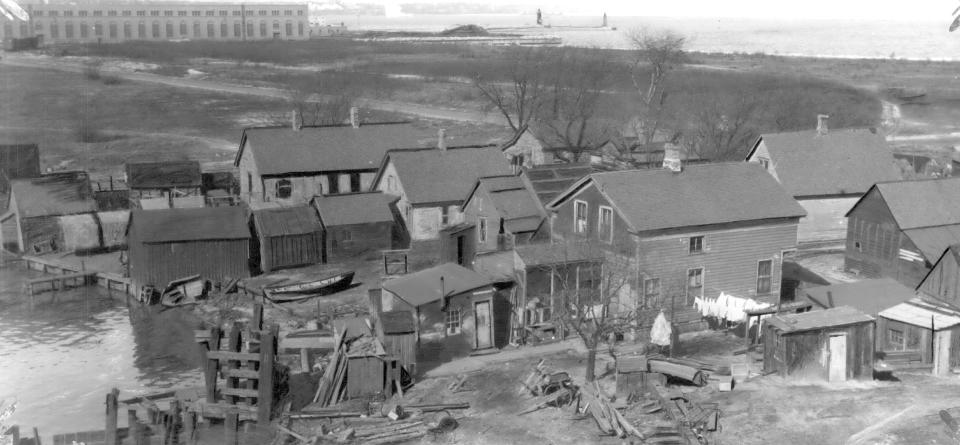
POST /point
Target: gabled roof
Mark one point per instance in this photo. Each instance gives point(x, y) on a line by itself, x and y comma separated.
point(544, 254)
point(440, 176)
point(514, 199)
point(840, 162)
point(54, 194)
point(166, 174)
point(200, 224)
point(869, 296)
point(424, 287)
point(280, 150)
point(809, 321)
point(700, 195)
point(549, 180)
point(19, 161)
point(282, 221)
point(354, 208)
point(932, 241)
point(920, 203)
point(953, 250)
point(925, 313)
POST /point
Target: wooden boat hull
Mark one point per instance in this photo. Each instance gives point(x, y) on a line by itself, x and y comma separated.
point(183, 291)
point(323, 286)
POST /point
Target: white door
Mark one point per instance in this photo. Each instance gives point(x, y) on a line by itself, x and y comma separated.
point(484, 326)
point(838, 358)
point(941, 353)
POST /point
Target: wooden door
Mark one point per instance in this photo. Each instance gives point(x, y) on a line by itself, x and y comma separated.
point(838, 358)
point(484, 325)
point(941, 353)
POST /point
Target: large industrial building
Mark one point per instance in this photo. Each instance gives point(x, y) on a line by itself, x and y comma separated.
point(121, 21)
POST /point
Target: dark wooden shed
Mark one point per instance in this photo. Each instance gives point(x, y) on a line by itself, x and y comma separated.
point(400, 338)
point(358, 225)
point(833, 345)
point(286, 237)
point(168, 244)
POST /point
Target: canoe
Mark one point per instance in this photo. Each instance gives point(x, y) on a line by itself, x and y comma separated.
point(323, 286)
point(183, 291)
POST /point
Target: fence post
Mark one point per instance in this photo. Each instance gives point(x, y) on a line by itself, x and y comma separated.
point(133, 427)
point(189, 426)
point(265, 396)
point(110, 434)
point(211, 365)
point(230, 424)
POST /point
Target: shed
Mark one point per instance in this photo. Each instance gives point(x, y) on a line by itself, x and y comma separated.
point(834, 345)
point(358, 224)
point(923, 332)
point(400, 338)
point(370, 370)
point(165, 180)
point(285, 237)
point(36, 205)
point(168, 244)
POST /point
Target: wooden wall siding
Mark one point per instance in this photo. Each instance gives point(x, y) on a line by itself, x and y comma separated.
point(41, 230)
point(943, 282)
point(806, 354)
point(482, 206)
point(924, 342)
point(562, 224)
point(826, 219)
point(365, 376)
point(448, 246)
point(366, 240)
point(278, 252)
point(404, 348)
point(157, 264)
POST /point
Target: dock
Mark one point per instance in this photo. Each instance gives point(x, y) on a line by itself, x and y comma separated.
point(60, 282)
point(68, 275)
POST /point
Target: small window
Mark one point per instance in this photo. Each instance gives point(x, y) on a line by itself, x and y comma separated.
point(696, 244)
point(224, 13)
point(444, 215)
point(333, 183)
point(694, 284)
point(764, 274)
point(181, 13)
point(211, 13)
point(764, 162)
point(82, 13)
point(154, 13)
point(579, 217)
point(858, 246)
point(284, 188)
point(52, 13)
point(605, 224)
point(452, 321)
point(112, 13)
point(141, 13)
point(896, 340)
point(482, 230)
point(346, 236)
point(168, 13)
point(651, 292)
point(68, 13)
point(38, 13)
point(275, 12)
point(354, 182)
point(288, 12)
point(262, 12)
point(127, 13)
point(236, 13)
point(195, 13)
point(299, 12)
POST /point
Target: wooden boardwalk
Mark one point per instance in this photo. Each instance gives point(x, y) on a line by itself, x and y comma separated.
point(60, 282)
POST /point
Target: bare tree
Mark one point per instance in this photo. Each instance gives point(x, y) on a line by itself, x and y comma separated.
point(320, 101)
point(722, 131)
point(657, 52)
point(517, 97)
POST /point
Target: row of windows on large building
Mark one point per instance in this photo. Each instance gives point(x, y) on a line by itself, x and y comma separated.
point(165, 13)
point(159, 30)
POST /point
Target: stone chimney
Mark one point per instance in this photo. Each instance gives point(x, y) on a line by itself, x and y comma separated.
point(442, 139)
point(671, 158)
point(354, 118)
point(822, 124)
point(295, 122)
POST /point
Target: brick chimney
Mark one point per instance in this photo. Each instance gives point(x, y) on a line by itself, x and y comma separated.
point(295, 122)
point(354, 118)
point(822, 124)
point(671, 158)
point(442, 139)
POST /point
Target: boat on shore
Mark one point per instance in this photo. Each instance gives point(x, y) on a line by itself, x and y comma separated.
point(322, 286)
point(183, 291)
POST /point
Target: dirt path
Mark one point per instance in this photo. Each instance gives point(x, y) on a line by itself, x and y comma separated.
point(426, 111)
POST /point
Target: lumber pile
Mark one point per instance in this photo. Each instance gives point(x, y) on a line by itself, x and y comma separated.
point(330, 388)
point(408, 424)
point(609, 419)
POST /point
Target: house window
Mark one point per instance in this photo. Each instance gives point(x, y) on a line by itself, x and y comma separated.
point(333, 183)
point(210, 13)
point(284, 188)
point(764, 162)
point(906, 338)
point(651, 292)
point(579, 217)
point(605, 224)
point(696, 244)
point(764, 274)
point(288, 28)
point(181, 13)
point(482, 230)
point(263, 29)
point(183, 28)
point(346, 236)
point(694, 284)
point(354, 182)
point(444, 215)
point(168, 13)
point(895, 340)
point(452, 321)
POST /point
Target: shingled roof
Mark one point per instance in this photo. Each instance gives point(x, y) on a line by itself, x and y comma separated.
point(281, 221)
point(165, 174)
point(55, 194)
point(700, 195)
point(515, 201)
point(173, 225)
point(921, 203)
point(280, 150)
point(840, 162)
point(354, 208)
point(809, 321)
point(440, 176)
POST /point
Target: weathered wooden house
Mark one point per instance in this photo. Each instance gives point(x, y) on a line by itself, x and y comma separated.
point(523, 150)
point(899, 229)
point(358, 224)
point(694, 233)
point(399, 337)
point(292, 164)
point(505, 211)
point(165, 184)
point(285, 237)
point(826, 172)
point(37, 207)
point(834, 344)
point(455, 308)
point(921, 331)
point(943, 280)
point(168, 244)
point(869, 296)
point(431, 184)
point(18, 161)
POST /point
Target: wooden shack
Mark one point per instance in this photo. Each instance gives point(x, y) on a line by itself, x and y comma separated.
point(168, 244)
point(400, 338)
point(285, 237)
point(358, 225)
point(924, 332)
point(833, 345)
point(370, 370)
point(164, 184)
point(37, 206)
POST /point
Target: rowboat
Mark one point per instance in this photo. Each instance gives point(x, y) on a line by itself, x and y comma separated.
point(183, 291)
point(323, 286)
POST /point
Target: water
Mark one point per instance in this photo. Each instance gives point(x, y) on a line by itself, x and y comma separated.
point(919, 40)
point(59, 360)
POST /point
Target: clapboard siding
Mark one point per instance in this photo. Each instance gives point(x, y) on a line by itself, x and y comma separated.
point(563, 221)
point(944, 280)
point(157, 264)
point(292, 250)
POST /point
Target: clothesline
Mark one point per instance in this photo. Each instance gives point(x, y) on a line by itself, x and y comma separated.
point(728, 307)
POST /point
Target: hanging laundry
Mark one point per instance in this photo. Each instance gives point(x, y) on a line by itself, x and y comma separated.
point(727, 307)
point(661, 332)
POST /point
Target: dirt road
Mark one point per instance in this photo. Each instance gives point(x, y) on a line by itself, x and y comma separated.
point(424, 111)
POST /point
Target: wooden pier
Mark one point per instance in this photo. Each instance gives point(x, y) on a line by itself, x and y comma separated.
point(60, 282)
point(66, 276)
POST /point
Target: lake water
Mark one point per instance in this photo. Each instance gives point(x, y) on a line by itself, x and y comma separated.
point(918, 40)
point(60, 359)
